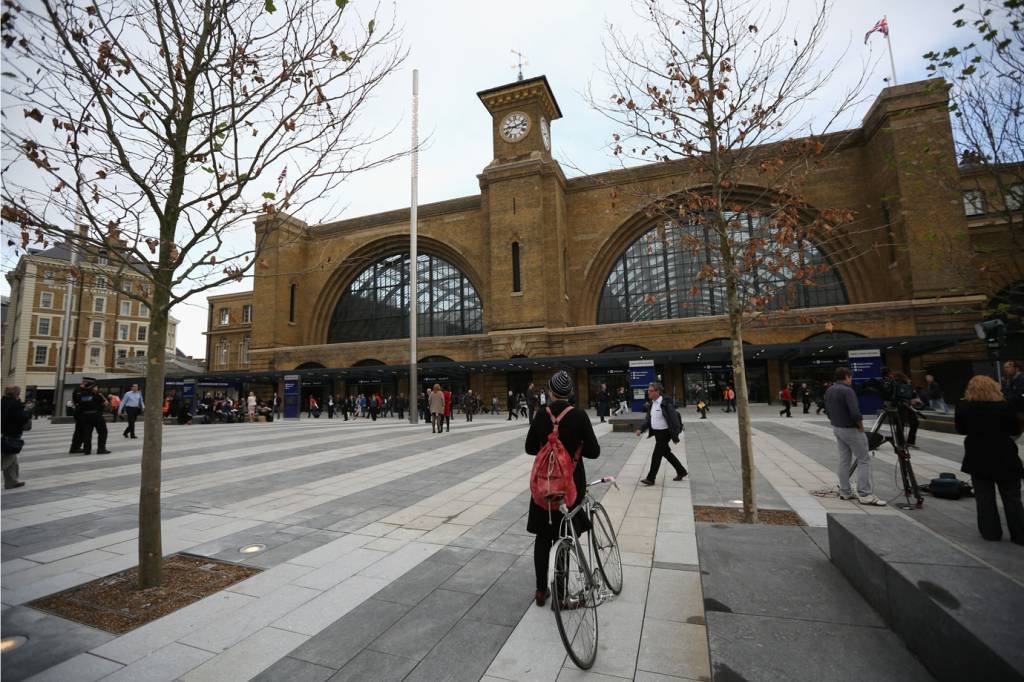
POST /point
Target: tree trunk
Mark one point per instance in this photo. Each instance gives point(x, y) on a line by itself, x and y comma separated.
point(150, 540)
point(739, 370)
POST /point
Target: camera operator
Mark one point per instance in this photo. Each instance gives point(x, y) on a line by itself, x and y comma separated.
point(848, 427)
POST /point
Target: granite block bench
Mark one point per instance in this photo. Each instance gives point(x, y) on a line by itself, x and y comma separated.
point(958, 615)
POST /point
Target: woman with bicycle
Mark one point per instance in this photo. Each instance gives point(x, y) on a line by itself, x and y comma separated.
point(577, 435)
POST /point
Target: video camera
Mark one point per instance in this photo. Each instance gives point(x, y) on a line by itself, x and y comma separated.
point(889, 390)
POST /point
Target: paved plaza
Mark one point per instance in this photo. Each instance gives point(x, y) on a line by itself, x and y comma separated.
point(394, 553)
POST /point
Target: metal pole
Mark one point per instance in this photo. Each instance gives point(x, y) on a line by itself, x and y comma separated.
point(414, 390)
point(59, 407)
point(892, 63)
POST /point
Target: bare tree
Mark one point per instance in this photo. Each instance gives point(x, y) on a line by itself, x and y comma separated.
point(719, 86)
point(986, 75)
point(163, 130)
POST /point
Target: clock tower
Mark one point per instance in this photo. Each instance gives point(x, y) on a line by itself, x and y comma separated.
point(523, 198)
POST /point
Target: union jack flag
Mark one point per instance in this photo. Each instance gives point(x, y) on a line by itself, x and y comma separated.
point(882, 27)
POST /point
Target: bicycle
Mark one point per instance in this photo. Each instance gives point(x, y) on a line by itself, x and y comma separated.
point(577, 589)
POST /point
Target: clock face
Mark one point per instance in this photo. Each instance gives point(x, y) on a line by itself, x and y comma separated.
point(545, 133)
point(514, 126)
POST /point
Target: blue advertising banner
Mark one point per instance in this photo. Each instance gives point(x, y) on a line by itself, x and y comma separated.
point(866, 365)
point(641, 374)
point(292, 396)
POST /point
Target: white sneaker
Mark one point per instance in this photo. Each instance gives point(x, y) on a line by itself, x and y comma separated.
point(847, 496)
point(871, 501)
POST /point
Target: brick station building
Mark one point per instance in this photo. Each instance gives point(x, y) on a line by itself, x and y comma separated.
point(538, 271)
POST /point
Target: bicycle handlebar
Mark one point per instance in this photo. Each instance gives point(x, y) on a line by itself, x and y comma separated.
point(604, 479)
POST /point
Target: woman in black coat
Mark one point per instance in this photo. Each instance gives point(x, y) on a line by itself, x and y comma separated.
point(990, 457)
point(576, 432)
point(602, 402)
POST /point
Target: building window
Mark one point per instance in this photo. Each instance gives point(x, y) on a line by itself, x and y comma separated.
point(141, 333)
point(143, 310)
point(974, 202)
point(122, 332)
point(222, 353)
point(376, 304)
point(516, 284)
point(122, 353)
point(100, 281)
point(140, 353)
point(48, 277)
point(42, 353)
point(126, 308)
point(102, 258)
point(243, 351)
point(246, 314)
point(225, 316)
point(658, 276)
point(1015, 197)
point(97, 330)
point(94, 355)
point(291, 301)
point(99, 304)
point(43, 326)
point(45, 300)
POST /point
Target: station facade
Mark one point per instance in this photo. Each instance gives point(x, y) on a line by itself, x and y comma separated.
point(538, 267)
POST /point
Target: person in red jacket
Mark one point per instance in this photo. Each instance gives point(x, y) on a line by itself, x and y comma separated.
point(447, 410)
point(787, 401)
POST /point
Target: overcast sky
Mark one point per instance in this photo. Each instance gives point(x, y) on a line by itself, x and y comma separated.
point(463, 46)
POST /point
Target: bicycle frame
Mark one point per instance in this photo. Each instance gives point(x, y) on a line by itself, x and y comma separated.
point(566, 530)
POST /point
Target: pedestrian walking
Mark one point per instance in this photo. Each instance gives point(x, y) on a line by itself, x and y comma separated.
point(990, 425)
point(115, 403)
point(664, 424)
point(131, 405)
point(787, 401)
point(730, 399)
point(330, 407)
point(512, 412)
point(447, 409)
point(14, 420)
point(469, 405)
point(848, 427)
point(936, 401)
point(577, 435)
point(250, 406)
point(602, 402)
point(436, 406)
point(805, 397)
point(700, 397)
point(531, 402)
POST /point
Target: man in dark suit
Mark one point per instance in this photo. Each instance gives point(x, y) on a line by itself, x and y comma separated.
point(664, 423)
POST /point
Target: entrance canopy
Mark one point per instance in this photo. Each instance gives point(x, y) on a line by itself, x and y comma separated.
point(818, 347)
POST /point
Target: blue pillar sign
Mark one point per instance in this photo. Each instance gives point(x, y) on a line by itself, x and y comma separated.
point(866, 365)
point(641, 375)
point(188, 396)
point(292, 396)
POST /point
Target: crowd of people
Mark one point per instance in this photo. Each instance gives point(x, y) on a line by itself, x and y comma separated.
point(990, 415)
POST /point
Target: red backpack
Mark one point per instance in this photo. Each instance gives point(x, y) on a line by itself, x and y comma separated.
point(551, 480)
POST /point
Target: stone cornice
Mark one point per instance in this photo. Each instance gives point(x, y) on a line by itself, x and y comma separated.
point(397, 216)
point(506, 96)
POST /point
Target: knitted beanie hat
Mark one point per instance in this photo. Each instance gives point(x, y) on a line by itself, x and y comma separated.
point(561, 384)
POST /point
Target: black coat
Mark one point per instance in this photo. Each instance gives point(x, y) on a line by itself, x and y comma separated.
point(668, 410)
point(602, 403)
point(14, 416)
point(989, 450)
point(574, 430)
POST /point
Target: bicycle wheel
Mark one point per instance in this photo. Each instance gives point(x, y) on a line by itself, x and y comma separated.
point(572, 594)
point(606, 548)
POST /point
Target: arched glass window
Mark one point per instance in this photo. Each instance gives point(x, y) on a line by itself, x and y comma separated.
point(657, 276)
point(375, 304)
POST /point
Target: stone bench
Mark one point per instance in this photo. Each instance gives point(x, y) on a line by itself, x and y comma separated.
point(959, 616)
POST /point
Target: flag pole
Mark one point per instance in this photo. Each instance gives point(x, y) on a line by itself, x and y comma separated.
point(414, 391)
point(888, 42)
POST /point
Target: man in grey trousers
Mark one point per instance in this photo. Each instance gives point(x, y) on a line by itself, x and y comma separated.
point(848, 426)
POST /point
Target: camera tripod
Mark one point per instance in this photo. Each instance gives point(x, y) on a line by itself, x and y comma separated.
point(891, 415)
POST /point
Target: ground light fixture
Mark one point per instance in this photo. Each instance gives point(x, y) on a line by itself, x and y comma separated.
point(12, 642)
point(252, 549)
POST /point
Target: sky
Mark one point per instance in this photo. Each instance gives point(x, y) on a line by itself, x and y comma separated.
point(461, 47)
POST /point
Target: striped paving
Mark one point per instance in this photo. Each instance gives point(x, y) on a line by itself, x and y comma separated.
point(391, 553)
